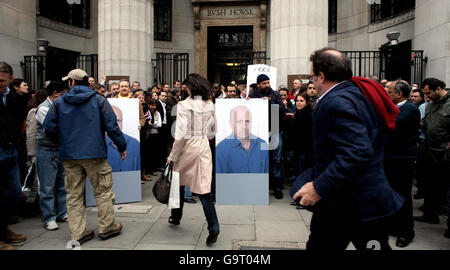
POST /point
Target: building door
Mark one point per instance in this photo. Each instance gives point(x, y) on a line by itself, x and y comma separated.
point(398, 61)
point(225, 43)
point(60, 62)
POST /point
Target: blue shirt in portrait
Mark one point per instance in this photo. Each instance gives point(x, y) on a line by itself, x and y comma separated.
point(133, 160)
point(231, 157)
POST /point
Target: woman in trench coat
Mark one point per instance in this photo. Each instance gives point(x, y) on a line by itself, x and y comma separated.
point(191, 154)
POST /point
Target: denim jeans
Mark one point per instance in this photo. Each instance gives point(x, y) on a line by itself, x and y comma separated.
point(187, 193)
point(208, 208)
point(10, 187)
point(52, 191)
point(275, 166)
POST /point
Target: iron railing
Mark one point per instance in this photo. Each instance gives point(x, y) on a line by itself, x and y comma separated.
point(373, 63)
point(35, 68)
point(242, 61)
point(169, 67)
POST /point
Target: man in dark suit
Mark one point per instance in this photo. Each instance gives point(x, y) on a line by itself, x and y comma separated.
point(346, 188)
point(164, 131)
point(400, 154)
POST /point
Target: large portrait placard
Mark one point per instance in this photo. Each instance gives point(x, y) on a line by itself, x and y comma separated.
point(242, 158)
point(126, 173)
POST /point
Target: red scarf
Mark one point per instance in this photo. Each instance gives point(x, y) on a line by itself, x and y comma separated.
point(380, 100)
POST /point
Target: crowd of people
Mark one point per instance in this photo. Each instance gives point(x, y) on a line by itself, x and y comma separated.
point(336, 145)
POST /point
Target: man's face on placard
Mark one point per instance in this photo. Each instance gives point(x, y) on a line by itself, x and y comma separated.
point(119, 116)
point(240, 122)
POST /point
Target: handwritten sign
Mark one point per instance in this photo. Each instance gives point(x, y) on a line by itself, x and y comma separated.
point(253, 71)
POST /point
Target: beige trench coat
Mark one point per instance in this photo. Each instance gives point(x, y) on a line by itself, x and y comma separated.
point(191, 154)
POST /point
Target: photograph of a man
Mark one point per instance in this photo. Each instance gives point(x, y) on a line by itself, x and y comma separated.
point(241, 151)
point(132, 162)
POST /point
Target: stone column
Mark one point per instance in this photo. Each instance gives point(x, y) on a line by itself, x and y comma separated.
point(125, 39)
point(432, 34)
point(297, 28)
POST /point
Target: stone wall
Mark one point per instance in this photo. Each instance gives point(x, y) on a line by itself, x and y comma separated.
point(17, 32)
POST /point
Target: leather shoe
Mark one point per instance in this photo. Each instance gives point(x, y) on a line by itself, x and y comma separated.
point(427, 219)
point(88, 236)
point(295, 203)
point(13, 238)
point(212, 238)
point(191, 200)
point(300, 207)
point(278, 194)
point(4, 246)
point(403, 241)
point(174, 221)
point(117, 228)
point(146, 178)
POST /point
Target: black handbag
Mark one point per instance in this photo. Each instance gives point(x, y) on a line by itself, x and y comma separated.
point(161, 189)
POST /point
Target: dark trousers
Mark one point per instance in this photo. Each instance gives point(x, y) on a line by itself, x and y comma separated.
point(208, 208)
point(400, 174)
point(436, 185)
point(10, 188)
point(334, 229)
point(275, 165)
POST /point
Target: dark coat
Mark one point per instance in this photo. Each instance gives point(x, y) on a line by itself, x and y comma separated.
point(402, 144)
point(275, 99)
point(348, 170)
point(11, 119)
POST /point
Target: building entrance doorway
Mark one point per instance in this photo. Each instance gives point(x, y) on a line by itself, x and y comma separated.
point(225, 44)
point(60, 62)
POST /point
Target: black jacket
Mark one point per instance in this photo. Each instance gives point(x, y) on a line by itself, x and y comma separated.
point(402, 144)
point(11, 119)
point(275, 98)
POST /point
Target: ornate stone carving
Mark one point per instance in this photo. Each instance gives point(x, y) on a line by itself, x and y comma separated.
point(404, 17)
point(62, 27)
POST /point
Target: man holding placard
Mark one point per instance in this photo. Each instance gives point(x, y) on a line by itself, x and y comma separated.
point(266, 92)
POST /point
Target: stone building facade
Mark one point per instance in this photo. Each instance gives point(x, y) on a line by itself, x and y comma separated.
point(215, 35)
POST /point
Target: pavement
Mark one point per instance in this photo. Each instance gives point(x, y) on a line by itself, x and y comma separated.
point(275, 226)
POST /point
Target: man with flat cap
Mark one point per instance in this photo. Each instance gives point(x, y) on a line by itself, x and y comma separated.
point(266, 92)
point(79, 119)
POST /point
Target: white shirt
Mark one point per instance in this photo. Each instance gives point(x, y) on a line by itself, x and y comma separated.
point(42, 113)
point(401, 103)
point(165, 112)
point(317, 102)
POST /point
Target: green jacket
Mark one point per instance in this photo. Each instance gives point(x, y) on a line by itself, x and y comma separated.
point(437, 124)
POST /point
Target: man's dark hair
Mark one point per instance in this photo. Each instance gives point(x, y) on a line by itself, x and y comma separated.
point(284, 89)
point(230, 85)
point(418, 91)
point(309, 82)
point(199, 86)
point(84, 82)
point(151, 102)
point(54, 86)
point(253, 86)
point(6, 68)
point(433, 84)
point(336, 68)
point(97, 87)
point(303, 88)
point(403, 87)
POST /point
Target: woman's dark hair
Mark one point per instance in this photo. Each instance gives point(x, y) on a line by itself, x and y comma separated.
point(54, 86)
point(306, 98)
point(336, 67)
point(16, 83)
point(198, 86)
point(39, 97)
